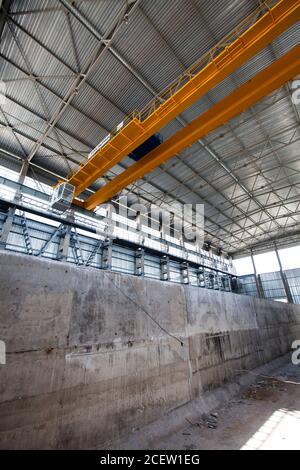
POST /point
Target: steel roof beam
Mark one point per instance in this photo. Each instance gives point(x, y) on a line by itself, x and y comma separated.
point(46, 87)
point(81, 78)
point(268, 245)
point(262, 154)
point(265, 243)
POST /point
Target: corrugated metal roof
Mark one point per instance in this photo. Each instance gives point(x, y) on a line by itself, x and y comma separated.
point(257, 150)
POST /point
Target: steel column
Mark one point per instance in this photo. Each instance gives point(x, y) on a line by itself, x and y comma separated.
point(259, 286)
point(284, 278)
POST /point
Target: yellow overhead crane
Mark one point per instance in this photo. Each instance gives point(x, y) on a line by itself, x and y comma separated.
point(250, 37)
point(270, 79)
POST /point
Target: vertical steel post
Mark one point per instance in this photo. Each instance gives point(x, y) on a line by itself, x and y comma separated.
point(284, 278)
point(259, 286)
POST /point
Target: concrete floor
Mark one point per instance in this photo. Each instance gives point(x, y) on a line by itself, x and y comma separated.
point(264, 416)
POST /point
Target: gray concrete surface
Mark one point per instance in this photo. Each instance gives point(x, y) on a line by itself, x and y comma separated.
point(261, 411)
point(86, 365)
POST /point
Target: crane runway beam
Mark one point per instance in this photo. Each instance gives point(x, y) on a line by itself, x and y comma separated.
point(249, 38)
point(265, 82)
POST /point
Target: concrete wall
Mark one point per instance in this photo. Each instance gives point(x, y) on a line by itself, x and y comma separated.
point(86, 364)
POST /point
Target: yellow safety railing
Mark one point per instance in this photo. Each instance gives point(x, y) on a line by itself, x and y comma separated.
point(208, 57)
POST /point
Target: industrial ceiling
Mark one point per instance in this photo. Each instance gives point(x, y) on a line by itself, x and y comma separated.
point(58, 107)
